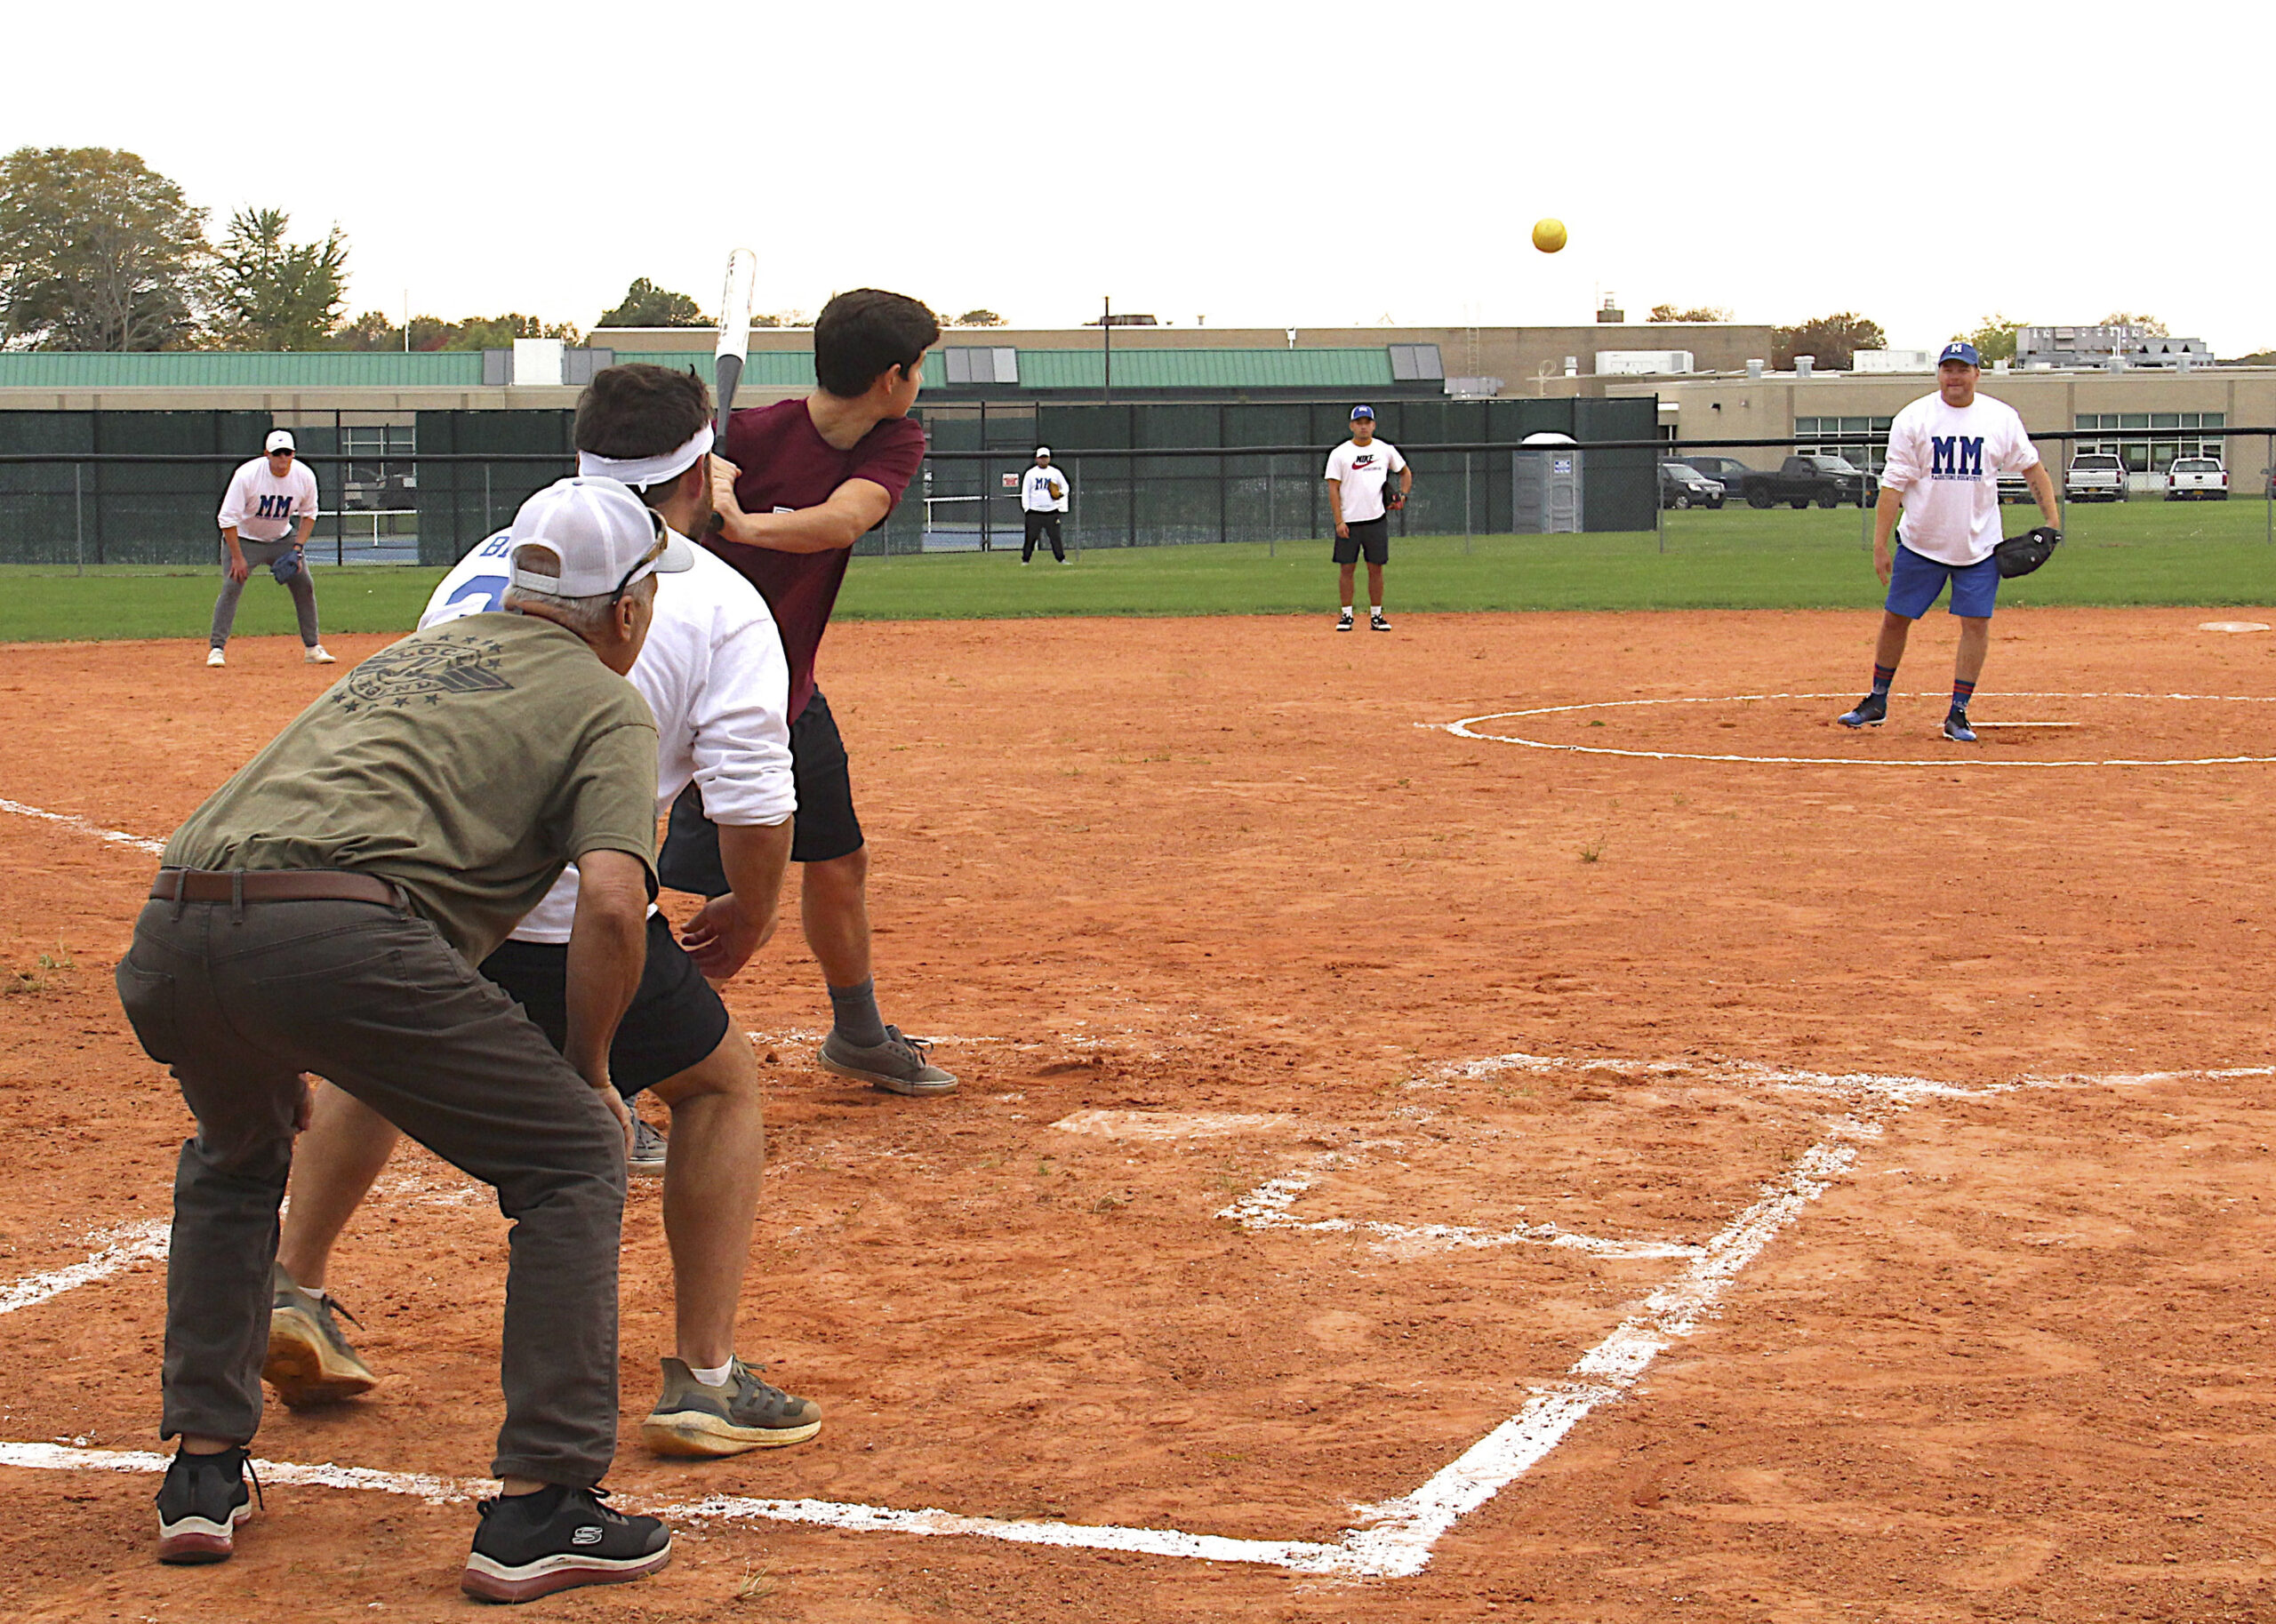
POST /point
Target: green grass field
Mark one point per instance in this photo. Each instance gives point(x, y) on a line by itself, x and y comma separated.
point(2134, 553)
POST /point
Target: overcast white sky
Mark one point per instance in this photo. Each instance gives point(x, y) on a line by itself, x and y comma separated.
point(1267, 164)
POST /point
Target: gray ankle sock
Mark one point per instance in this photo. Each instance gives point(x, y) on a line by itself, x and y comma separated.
point(855, 1013)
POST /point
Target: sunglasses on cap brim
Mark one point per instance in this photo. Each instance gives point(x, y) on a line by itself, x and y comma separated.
point(655, 552)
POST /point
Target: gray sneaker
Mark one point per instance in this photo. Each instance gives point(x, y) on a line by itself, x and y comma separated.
point(310, 1362)
point(694, 1422)
point(897, 1065)
point(648, 1147)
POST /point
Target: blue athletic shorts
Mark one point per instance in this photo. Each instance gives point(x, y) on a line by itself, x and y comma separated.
point(1914, 584)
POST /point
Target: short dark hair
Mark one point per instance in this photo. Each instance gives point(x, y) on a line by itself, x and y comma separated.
point(640, 410)
point(867, 332)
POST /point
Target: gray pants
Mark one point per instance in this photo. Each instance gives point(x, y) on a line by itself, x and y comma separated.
point(240, 1003)
point(258, 557)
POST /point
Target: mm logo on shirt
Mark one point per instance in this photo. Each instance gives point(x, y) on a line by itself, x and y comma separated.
point(1953, 456)
point(275, 507)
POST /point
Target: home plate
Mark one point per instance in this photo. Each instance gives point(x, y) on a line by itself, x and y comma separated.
point(2233, 626)
point(1167, 1124)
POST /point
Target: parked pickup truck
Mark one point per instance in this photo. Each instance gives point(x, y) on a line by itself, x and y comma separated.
point(2200, 479)
point(2094, 477)
point(1826, 480)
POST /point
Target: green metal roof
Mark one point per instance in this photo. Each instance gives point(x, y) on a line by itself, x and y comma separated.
point(1207, 369)
point(1040, 370)
point(203, 369)
point(766, 369)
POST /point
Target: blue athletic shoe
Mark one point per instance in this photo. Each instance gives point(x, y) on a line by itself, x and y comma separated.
point(1871, 711)
point(1956, 727)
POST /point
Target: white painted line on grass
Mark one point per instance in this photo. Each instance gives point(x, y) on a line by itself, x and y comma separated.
point(119, 1248)
point(117, 838)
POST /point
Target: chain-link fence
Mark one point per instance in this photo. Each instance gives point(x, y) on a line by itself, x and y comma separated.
point(78, 507)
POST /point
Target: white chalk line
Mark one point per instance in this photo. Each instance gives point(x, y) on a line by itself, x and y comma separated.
point(117, 1249)
point(1393, 1539)
point(1268, 1207)
point(117, 838)
point(1467, 726)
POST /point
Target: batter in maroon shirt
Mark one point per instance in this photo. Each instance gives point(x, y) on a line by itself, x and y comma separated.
point(796, 486)
point(786, 466)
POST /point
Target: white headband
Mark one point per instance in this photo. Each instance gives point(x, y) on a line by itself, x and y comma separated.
point(641, 472)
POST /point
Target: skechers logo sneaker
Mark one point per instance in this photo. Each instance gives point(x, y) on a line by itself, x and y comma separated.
point(586, 1536)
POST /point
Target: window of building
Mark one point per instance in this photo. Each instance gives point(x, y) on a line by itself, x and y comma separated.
point(368, 480)
point(2148, 442)
point(1867, 457)
point(1415, 363)
point(972, 364)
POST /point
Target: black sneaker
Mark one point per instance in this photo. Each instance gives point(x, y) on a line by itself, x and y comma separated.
point(531, 1545)
point(1344, 621)
point(1375, 622)
point(1871, 711)
point(200, 1505)
point(692, 1420)
point(1956, 727)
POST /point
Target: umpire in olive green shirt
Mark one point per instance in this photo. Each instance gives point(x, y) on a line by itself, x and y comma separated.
point(322, 913)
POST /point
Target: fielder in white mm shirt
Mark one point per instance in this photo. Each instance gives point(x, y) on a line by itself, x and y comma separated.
point(1356, 471)
point(1042, 498)
point(1946, 453)
point(266, 497)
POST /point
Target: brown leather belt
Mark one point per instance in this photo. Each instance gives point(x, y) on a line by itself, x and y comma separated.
point(273, 885)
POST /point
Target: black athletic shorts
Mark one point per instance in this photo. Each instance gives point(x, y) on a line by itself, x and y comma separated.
point(1368, 536)
point(824, 827)
point(676, 1019)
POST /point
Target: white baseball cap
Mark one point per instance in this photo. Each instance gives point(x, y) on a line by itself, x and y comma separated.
point(279, 439)
point(605, 538)
point(1043, 450)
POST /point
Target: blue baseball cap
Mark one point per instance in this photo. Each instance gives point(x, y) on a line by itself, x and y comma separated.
point(1959, 350)
point(1360, 412)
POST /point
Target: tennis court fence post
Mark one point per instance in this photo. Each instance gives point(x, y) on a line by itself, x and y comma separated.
point(1465, 504)
point(78, 522)
point(2268, 489)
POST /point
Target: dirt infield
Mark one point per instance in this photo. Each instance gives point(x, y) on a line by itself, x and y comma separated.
point(1866, 1166)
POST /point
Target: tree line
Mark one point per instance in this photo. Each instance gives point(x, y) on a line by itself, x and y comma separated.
point(99, 251)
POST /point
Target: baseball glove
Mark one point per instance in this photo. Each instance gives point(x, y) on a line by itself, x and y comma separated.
point(287, 567)
point(2021, 555)
point(1394, 498)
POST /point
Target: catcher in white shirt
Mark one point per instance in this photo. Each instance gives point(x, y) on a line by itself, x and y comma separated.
point(1946, 453)
point(267, 498)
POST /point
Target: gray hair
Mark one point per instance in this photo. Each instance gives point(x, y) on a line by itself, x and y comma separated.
point(589, 617)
